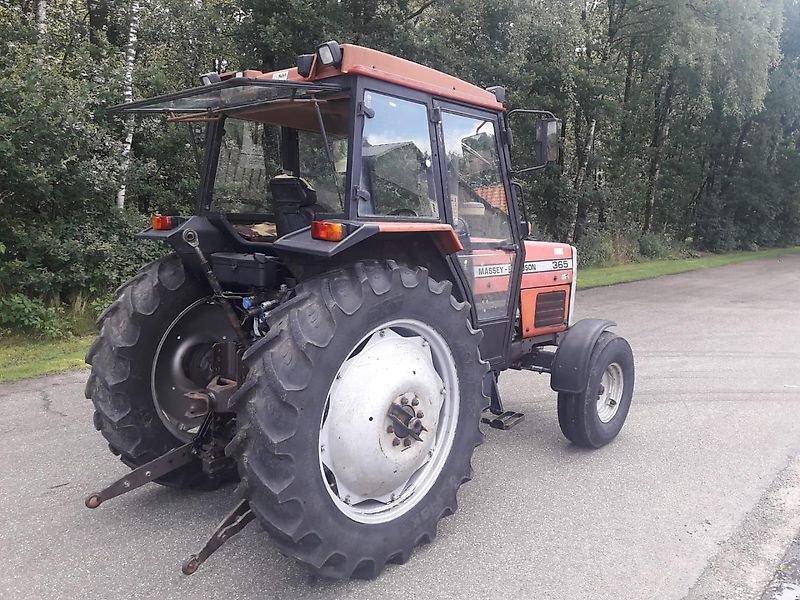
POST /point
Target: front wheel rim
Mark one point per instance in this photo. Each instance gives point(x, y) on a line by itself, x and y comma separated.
point(374, 467)
point(609, 394)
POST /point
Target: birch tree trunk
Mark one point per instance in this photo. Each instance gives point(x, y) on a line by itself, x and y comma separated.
point(130, 61)
point(41, 17)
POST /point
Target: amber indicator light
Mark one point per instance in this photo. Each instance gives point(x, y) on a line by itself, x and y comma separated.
point(162, 222)
point(330, 232)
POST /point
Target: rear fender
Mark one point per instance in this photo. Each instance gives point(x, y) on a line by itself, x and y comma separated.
point(212, 239)
point(301, 242)
point(570, 367)
point(428, 245)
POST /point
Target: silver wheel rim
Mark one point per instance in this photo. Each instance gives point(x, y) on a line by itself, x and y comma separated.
point(610, 392)
point(179, 363)
point(370, 477)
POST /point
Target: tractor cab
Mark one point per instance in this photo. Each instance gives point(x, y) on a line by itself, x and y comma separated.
point(367, 136)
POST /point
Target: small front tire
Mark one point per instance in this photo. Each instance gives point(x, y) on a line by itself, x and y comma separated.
point(595, 416)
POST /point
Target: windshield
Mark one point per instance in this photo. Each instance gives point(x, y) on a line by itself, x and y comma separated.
point(250, 159)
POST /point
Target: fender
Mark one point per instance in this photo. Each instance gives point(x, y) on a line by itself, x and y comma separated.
point(570, 367)
point(301, 242)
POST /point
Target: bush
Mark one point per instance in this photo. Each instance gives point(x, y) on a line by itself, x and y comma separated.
point(606, 248)
point(71, 258)
point(31, 317)
point(652, 245)
point(595, 248)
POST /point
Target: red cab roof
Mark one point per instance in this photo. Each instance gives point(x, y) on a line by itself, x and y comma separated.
point(357, 60)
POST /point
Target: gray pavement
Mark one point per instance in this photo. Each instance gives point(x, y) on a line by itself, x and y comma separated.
point(699, 497)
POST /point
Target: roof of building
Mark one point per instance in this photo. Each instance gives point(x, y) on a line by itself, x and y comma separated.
point(494, 195)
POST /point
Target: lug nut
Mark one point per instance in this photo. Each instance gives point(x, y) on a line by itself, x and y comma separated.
point(390, 429)
point(407, 442)
point(415, 401)
point(396, 442)
point(420, 414)
point(404, 401)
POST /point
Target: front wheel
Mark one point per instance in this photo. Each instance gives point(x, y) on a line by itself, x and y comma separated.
point(594, 417)
point(359, 417)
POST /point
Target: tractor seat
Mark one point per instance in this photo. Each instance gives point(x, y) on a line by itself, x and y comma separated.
point(292, 202)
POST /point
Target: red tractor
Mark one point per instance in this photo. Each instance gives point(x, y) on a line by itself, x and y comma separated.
point(331, 324)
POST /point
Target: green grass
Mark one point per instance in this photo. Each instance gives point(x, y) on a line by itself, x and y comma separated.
point(590, 277)
point(22, 358)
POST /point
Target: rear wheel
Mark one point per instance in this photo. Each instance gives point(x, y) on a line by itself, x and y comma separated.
point(359, 417)
point(154, 346)
point(594, 417)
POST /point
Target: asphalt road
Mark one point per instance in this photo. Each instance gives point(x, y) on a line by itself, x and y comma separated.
point(699, 497)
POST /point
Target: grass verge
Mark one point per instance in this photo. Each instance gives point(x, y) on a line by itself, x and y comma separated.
point(22, 358)
point(590, 277)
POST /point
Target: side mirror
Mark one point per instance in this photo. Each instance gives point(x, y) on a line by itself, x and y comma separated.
point(547, 140)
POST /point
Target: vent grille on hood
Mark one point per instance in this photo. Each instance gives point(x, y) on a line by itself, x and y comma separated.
point(550, 309)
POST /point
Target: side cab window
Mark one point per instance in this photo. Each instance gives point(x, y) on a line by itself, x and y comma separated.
point(396, 159)
point(475, 186)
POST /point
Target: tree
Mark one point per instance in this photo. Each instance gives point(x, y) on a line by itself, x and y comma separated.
point(127, 93)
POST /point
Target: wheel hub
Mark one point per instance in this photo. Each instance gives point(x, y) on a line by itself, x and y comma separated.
point(182, 364)
point(406, 419)
point(609, 392)
point(382, 432)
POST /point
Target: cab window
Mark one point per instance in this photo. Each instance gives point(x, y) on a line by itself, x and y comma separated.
point(475, 186)
point(396, 159)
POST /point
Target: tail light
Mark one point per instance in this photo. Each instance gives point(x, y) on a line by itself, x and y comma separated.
point(328, 231)
point(163, 222)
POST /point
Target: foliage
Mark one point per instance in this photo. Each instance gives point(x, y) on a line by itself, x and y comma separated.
point(681, 121)
point(17, 311)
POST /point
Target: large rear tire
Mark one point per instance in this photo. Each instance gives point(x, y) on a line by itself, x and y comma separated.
point(321, 461)
point(122, 384)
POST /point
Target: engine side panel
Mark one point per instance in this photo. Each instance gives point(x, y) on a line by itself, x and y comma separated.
point(547, 288)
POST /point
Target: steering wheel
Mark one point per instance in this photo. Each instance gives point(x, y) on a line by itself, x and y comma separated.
point(461, 227)
point(403, 212)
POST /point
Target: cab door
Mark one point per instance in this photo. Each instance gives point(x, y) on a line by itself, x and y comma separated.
point(478, 204)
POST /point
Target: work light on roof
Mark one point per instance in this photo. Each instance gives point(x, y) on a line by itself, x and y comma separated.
point(329, 54)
